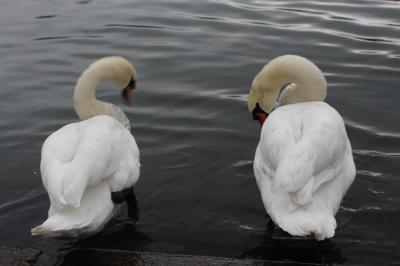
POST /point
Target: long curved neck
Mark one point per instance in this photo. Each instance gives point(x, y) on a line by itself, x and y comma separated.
point(310, 83)
point(85, 103)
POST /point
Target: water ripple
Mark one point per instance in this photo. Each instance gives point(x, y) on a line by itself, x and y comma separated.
point(362, 209)
point(46, 16)
point(369, 173)
point(372, 129)
point(138, 26)
point(47, 38)
point(21, 201)
point(51, 38)
point(243, 163)
point(377, 153)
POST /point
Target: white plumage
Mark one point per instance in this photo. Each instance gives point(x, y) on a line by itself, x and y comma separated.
point(303, 163)
point(83, 162)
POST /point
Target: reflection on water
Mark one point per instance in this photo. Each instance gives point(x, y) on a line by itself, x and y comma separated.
point(120, 235)
point(196, 60)
point(277, 245)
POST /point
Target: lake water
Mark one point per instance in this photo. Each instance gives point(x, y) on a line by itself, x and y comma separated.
point(196, 61)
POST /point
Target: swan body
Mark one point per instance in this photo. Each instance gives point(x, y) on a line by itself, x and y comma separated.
point(82, 163)
point(303, 163)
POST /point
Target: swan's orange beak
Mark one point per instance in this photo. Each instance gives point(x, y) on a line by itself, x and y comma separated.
point(127, 91)
point(259, 114)
point(261, 117)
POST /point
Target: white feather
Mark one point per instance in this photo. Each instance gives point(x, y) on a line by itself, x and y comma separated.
point(303, 163)
point(82, 163)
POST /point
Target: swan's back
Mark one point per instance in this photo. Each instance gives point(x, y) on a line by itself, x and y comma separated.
point(82, 163)
point(89, 167)
point(304, 167)
point(85, 154)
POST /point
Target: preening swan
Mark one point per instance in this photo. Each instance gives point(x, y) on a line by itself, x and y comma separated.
point(89, 167)
point(303, 163)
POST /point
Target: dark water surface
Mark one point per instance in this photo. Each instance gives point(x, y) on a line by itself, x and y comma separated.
point(196, 61)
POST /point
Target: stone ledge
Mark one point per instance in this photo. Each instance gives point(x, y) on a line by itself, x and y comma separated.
point(13, 256)
point(10, 256)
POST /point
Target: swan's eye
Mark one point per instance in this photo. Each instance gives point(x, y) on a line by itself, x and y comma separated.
point(132, 83)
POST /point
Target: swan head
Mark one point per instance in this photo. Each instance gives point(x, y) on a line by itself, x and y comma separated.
point(120, 71)
point(307, 83)
point(125, 77)
point(114, 68)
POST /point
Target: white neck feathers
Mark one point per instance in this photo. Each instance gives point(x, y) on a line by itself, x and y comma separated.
point(85, 103)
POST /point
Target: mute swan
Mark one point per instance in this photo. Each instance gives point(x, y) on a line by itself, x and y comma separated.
point(303, 163)
point(89, 167)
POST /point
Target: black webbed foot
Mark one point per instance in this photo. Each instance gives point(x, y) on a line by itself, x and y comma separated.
point(120, 196)
point(128, 195)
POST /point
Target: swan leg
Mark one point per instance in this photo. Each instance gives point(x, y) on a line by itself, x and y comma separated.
point(133, 209)
point(128, 195)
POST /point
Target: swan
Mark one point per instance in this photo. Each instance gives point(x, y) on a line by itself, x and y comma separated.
point(91, 166)
point(303, 163)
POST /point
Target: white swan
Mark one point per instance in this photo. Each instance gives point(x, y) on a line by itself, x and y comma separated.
point(90, 166)
point(303, 163)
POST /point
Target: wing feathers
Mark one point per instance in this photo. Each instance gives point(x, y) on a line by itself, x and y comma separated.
point(83, 154)
point(310, 162)
point(295, 169)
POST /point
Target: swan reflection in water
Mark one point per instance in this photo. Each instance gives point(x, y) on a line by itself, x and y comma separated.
point(277, 245)
point(109, 247)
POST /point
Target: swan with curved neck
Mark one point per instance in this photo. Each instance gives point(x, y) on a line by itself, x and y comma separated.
point(89, 167)
point(114, 68)
point(303, 163)
point(307, 83)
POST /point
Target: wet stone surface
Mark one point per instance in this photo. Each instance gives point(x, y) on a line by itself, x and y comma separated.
point(12, 256)
point(18, 256)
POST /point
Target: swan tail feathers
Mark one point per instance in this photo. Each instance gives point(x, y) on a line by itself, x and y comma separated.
point(55, 227)
point(95, 210)
point(303, 223)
